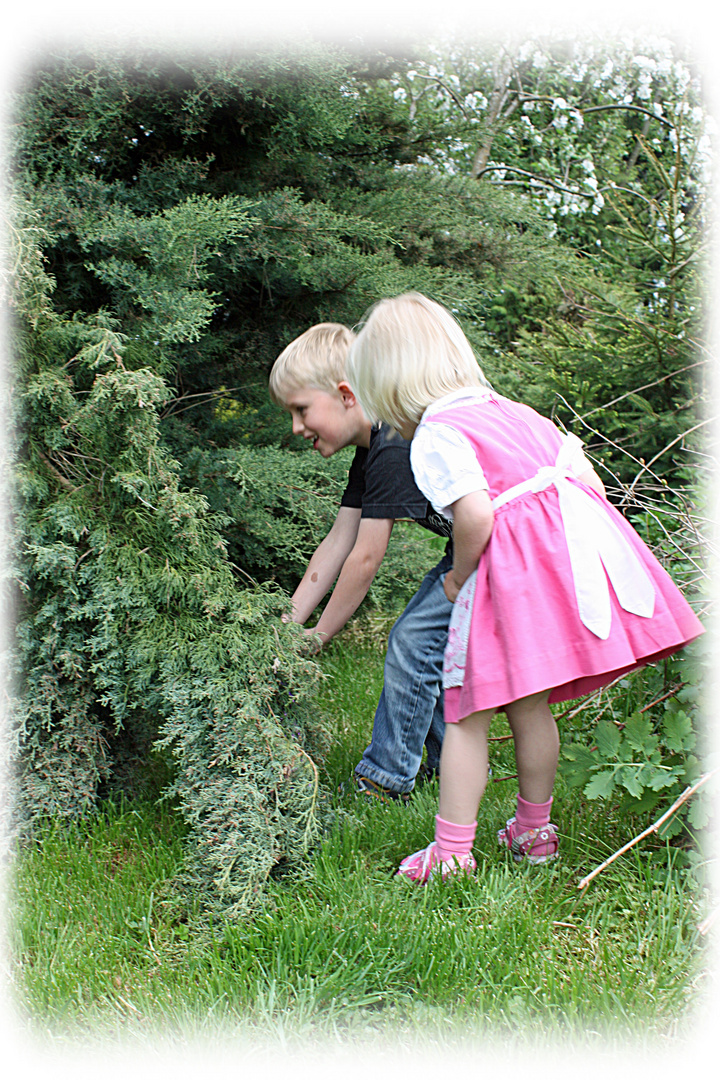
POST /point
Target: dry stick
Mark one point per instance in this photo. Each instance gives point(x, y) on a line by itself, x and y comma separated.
point(709, 922)
point(589, 700)
point(651, 828)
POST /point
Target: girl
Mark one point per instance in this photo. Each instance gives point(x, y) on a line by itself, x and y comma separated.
point(554, 593)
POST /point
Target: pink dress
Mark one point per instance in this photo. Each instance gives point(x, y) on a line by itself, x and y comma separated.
point(566, 596)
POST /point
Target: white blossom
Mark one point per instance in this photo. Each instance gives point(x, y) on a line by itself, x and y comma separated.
point(644, 89)
point(476, 100)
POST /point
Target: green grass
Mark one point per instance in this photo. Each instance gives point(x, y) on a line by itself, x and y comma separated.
point(343, 952)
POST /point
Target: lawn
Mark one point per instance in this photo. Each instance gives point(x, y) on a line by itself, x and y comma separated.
point(344, 954)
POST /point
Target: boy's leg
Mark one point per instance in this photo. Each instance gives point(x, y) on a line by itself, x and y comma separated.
point(410, 705)
point(434, 738)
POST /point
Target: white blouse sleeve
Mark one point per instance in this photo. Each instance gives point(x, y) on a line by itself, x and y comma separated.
point(445, 466)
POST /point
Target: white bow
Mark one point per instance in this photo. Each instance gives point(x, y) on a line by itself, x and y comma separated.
point(595, 544)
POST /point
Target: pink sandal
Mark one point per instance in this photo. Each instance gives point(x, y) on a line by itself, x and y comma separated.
point(423, 866)
point(534, 845)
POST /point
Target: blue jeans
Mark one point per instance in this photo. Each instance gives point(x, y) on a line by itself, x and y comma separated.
point(410, 711)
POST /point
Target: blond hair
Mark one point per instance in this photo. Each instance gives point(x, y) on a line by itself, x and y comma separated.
point(409, 352)
point(317, 358)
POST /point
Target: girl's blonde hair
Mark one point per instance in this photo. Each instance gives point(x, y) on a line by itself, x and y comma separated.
point(318, 358)
point(409, 352)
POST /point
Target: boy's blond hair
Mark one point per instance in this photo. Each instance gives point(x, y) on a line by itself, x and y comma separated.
point(410, 352)
point(318, 358)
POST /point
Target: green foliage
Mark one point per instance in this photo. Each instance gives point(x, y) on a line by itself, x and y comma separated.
point(98, 944)
point(219, 208)
point(277, 506)
point(610, 142)
point(648, 758)
point(130, 615)
point(178, 223)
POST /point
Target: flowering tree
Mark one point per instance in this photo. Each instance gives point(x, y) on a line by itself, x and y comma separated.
point(611, 141)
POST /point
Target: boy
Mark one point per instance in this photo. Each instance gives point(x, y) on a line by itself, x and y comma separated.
point(308, 379)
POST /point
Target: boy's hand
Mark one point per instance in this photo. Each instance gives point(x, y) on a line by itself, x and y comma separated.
point(313, 641)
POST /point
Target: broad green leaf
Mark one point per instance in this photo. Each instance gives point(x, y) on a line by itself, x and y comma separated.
point(639, 734)
point(581, 755)
point(678, 731)
point(657, 779)
point(628, 776)
point(672, 827)
point(698, 812)
point(643, 805)
point(601, 785)
point(577, 764)
point(608, 739)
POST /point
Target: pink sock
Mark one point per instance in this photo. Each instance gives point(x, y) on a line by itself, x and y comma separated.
point(532, 815)
point(452, 839)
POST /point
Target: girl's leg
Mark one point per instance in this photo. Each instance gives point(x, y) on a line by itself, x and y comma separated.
point(463, 767)
point(537, 745)
point(463, 776)
point(529, 835)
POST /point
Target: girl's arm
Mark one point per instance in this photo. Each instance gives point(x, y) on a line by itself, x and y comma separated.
point(472, 526)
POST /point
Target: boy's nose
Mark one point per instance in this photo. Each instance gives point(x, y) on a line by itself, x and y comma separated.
point(298, 426)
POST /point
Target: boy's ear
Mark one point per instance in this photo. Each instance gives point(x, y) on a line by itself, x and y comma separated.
point(347, 394)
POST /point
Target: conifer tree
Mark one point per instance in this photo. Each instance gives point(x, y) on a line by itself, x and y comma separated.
point(177, 224)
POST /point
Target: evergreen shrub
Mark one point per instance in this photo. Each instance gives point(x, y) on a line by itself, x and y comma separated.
point(129, 613)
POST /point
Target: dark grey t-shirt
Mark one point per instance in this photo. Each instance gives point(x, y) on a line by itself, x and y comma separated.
point(381, 484)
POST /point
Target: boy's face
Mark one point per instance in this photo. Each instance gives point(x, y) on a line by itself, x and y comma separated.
point(330, 420)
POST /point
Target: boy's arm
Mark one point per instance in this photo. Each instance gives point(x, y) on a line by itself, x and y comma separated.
point(356, 576)
point(326, 563)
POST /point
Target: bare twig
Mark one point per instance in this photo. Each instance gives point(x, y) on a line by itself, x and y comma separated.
point(646, 386)
point(651, 828)
point(56, 472)
point(646, 468)
point(591, 699)
point(709, 922)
